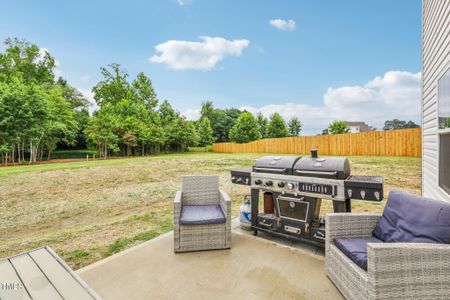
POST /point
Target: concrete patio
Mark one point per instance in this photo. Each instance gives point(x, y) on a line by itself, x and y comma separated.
point(260, 267)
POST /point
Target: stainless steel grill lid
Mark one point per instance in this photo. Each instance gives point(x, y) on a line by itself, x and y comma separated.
point(323, 167)
point(275, 164)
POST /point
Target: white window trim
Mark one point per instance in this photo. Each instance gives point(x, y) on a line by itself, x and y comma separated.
point(438, 135)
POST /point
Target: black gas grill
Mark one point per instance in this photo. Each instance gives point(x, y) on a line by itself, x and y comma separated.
point(297, 186)
point(322, 167)
point(275, 164)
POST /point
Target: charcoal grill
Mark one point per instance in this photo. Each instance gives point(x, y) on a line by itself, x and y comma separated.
point(298, 185)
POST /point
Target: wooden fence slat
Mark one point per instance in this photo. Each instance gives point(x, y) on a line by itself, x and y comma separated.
point(404, 142)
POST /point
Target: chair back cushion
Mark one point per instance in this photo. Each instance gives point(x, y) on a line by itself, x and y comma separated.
point(200, 190)
point(408, 218)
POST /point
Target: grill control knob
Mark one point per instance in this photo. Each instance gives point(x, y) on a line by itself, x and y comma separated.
point(290, 186)
point(258, 181)
point(281, 184)
point(269, 183)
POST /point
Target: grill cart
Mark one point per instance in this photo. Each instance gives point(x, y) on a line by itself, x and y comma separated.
point(293, 188)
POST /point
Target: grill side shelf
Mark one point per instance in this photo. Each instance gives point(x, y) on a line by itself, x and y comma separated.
point(369, 188)
point(241, 176)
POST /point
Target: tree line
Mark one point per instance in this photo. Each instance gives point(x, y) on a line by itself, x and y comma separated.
point(39, 113)
point(130, 120)
point(242, 126)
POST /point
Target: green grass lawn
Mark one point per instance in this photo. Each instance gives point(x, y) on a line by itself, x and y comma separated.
point(87, 210)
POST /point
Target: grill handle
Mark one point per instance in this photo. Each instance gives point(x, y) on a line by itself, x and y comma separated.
point(331, 173)
point(269, 170)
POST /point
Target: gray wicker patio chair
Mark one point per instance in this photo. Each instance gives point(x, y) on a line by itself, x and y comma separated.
point(202, 215)
point(394, 270)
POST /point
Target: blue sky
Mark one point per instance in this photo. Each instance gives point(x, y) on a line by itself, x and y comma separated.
point(317, 60)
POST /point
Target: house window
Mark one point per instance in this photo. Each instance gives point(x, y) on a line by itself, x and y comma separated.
point(444, 131)
point(444, 162)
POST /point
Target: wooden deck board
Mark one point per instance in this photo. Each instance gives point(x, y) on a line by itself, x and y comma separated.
point(34, 280)
point(65, 283)
point(8, 276)
point(41, 274)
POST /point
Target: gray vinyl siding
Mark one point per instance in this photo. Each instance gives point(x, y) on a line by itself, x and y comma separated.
point(435, 62)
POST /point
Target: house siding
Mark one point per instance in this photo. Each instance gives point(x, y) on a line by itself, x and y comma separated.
point(435, 62)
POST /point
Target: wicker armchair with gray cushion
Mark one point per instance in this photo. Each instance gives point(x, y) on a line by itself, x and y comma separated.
point(403, 253)
point(202, 215)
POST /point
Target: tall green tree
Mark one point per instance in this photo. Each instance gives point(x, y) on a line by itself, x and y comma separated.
point(245, 129)
point(114, 87)
point(26, 62)
point(143, 91)
point(128, 122)
point(167, 113)
point(72, 95)
point(207, 110)
point(36, 113)
point(181, 134)
point(294, 126)
point(263, 124)
point(101, 131)
point(23, 115)
point(61, 124)
point(277, 126)
point(221, 120)
point(80, 106)
point(338, 127)
point(220, 123)
point(205, 132)
point(232, 115)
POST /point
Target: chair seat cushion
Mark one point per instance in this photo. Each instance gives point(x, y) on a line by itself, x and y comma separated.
point(408, 218)
point(201, 214)
point(356, 249)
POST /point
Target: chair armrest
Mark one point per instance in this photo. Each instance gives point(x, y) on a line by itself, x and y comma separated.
point(177, 202)
point(348, 225)
point(416, 265)
point(177, 206)
point(225, 203)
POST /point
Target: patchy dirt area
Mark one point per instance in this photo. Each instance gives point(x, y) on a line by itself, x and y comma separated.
point(91, 210)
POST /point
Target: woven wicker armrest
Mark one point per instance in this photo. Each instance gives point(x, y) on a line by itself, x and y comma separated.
point(177, 202)
point(414, 268)
point(348, 225)
point(408, 257)
point(225, 203)
point(177, 205)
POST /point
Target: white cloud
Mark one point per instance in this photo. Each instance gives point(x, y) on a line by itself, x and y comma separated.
point(396, 94)
point(89, 95)
point(286, 25)
point(204, 55)
point(191, 114)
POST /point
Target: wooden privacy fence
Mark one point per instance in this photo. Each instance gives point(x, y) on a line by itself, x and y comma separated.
point(404, 142)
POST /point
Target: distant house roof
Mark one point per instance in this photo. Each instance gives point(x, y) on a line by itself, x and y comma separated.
point(363, 127)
